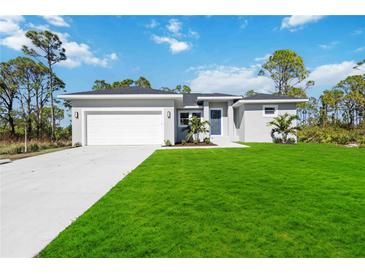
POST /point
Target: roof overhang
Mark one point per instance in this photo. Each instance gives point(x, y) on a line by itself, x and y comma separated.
point(119, 96)
point(269, 101)
point(218, 98)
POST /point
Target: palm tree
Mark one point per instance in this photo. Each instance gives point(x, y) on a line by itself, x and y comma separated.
point(283, 125)
point(196, 127)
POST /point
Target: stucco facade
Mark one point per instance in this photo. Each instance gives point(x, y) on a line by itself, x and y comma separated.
point(234, 118)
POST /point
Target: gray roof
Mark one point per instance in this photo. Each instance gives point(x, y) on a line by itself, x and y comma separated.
point(190, 99)
point(124, 90)
point(266, 96)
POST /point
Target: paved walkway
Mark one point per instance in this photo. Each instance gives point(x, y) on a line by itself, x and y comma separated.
point(42, 195)
point(219, 144)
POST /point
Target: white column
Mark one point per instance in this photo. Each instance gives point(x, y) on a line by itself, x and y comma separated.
point(230, 121)
point(206, 114)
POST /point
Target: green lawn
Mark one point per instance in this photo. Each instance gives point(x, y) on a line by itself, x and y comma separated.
point(264, 201)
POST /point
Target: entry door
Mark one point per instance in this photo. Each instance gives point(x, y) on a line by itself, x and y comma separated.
point(216, 121)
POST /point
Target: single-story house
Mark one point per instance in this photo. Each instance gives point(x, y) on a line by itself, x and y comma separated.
point(134, 116)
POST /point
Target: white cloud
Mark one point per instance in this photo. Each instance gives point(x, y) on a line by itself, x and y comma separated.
point(175, 45)
point(80, 53)
point(296, 22)
point(113, 56)
point(174, 26)
point(56, 20)
point(331, 74)
point(152, 24)
point(10, 24)
point(13, 36)
point(330, 45)
point(77, 53)
point(230, 79)
point(263, 58)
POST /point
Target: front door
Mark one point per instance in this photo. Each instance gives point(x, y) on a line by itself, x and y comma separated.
point(216, 122)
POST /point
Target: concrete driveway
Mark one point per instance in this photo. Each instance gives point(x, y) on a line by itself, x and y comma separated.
point(42, 195)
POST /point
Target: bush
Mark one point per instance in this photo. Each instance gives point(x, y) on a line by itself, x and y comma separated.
point(196, 141)
point(290, 141)
point(183, 142)
point(11, 148)
point(207, 140)
point(77, 144)
point(33, 147)
point(167, 143)
point(330, 134)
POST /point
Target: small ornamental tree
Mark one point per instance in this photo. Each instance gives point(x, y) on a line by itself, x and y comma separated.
point(283, 126)
point(196, 127)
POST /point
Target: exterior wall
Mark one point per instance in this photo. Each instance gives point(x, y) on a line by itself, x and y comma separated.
point(254, 127)
point(239, 123)
point(164, 104)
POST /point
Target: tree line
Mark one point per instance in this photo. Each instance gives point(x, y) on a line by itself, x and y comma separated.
point(141, 82)
point(343, 105)
point(28, 83)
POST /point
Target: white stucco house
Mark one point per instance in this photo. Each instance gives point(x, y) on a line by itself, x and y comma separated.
point(135, 116)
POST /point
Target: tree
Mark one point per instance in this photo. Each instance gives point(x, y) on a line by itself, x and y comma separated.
point(8, 93)
point(283, 125)
point(332, 100)
point(286, 69)
point(124, 83)
point(48, 47)
point(26, 71)
point(101, 85)
point(353, 88)
point(142, 82)
point(250, 93)
point(195, 127)
point(182, 89)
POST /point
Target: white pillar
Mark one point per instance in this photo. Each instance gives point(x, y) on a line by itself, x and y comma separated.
point(230, 121)
point(206, 114)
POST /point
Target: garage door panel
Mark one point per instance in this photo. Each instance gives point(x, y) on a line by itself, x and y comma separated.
point(124, 128)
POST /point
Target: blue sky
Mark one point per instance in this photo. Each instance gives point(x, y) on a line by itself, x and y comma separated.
point(209, 53)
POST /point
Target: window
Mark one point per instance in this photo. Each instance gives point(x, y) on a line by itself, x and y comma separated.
point(184, 117)
point(197, 114)
point(270, 111)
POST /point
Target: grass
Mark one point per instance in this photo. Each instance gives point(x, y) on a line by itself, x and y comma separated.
point(268, 200)
point(15, 150)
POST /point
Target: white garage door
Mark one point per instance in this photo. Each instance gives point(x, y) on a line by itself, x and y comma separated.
point(124, 128)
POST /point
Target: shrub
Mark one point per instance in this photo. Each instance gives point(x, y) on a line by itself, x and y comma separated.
point(291, 141)
point(33, 147)
point(183, 142)
point(77, 144)
point(167, 143)
point(196, 141)
point(207, 140)
point(330, 134)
